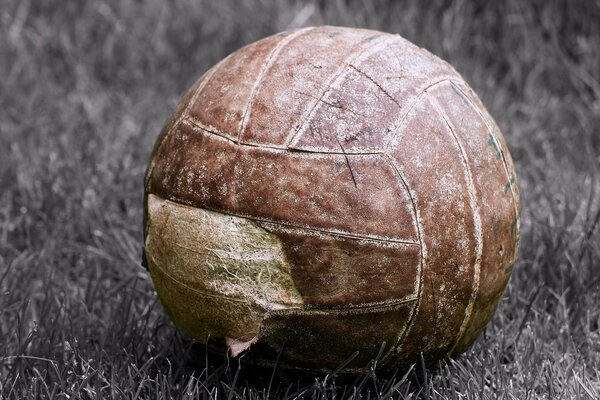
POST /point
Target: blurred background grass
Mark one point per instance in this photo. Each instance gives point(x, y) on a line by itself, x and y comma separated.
point(85, 89)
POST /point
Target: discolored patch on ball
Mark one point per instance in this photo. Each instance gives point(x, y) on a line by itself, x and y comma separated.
point(227, 272)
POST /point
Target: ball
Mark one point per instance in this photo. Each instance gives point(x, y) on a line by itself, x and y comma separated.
point(328, 193)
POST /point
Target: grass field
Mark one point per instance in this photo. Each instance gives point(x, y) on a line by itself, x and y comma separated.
point(85, 88)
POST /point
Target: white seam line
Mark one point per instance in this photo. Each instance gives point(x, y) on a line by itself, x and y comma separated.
point(197, 125)
point(422, 251)
point(270, 60)
point(357, 309)
point(476, 221)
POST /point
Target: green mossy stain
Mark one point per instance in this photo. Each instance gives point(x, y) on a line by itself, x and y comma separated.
point(459, 94)
point(509, 184)
point(492, 142)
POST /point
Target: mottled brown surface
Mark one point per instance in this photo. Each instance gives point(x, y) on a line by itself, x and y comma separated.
point(336, 271)
point(387, 184)
point(448, 232)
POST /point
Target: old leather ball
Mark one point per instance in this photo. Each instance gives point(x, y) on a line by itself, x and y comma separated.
point(327, 190)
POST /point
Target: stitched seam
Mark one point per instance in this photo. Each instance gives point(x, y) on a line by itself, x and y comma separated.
point(491, 131)
point(423, 255)
point(476, 221)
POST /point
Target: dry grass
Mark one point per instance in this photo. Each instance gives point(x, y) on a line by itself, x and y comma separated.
point(85, 89)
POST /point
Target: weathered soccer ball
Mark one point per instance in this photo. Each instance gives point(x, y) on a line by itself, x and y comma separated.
point(329, 190)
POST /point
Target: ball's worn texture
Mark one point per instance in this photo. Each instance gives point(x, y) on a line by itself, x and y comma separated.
point(330, 189)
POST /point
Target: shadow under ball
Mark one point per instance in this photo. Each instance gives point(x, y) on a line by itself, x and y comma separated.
point(326, 190)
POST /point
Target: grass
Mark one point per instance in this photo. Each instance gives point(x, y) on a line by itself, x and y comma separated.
point(85, 89)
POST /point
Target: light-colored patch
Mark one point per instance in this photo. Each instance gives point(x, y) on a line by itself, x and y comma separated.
point(219, 256)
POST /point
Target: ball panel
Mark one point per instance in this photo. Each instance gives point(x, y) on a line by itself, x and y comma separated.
point(321, 340)
point(222, 102)
point(495, 199)
point(429, 159)
point(332, 270)
point(221, 254)
point(217, 274)
point(296, 80)
point(355, 195)
point(181, 173)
